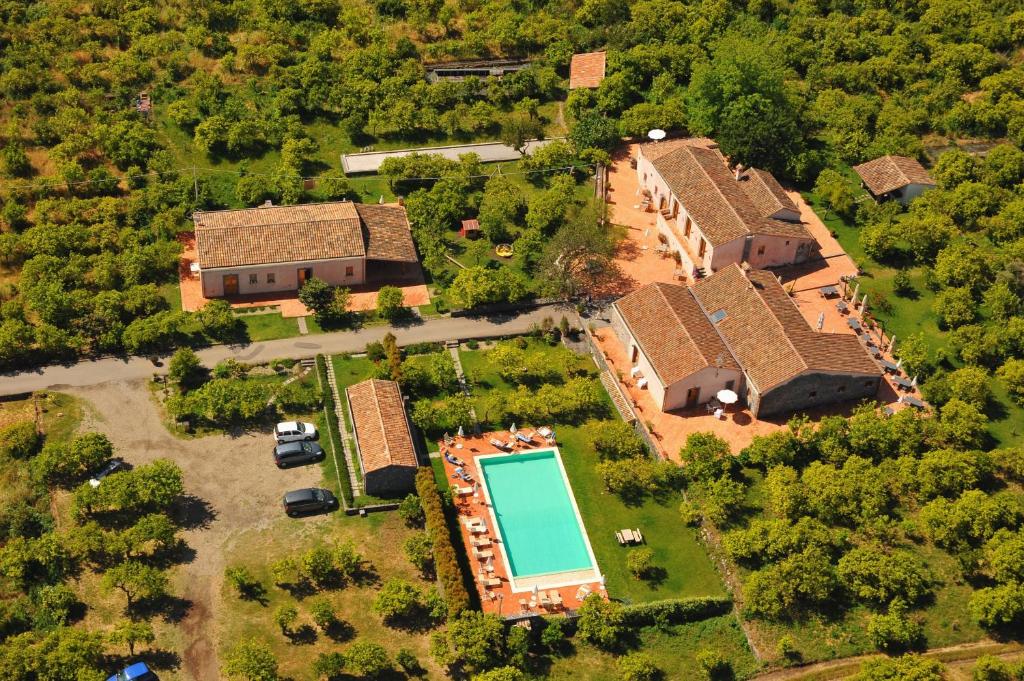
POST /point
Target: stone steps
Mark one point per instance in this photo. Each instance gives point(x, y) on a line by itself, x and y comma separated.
point(332, 381)
point(618, 399)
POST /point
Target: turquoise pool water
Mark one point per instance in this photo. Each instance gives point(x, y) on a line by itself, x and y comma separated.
point(536, 518)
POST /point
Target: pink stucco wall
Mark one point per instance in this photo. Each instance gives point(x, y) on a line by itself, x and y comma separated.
point(286, 276)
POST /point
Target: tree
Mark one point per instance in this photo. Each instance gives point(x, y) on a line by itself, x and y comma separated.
point(836, 192)
point(389, 302)
point(904, 668)
point(419, 550)
point(251, 660)
point(640, 562)
point(323, 615)
point(244, 582)
point(471, 640)
point(410, 510)
point(878, 577)
point(518, 128)
point(961, 424)
point(131, 633)
point(895, 631)
point(20, 440)
point(706, 457)
point(285, 617)
point(329, 665)
point(397, 600)
point(724, 500)
point(1000, 607)
point(713, 665)
point(328, 303)
point(593, 131)
point(218, 321)
point(69, 463)
point(502, 206)
point(992, 668)
point(1012, 374)
point(137, 581)
point(500, 674)
point(475, 286)
point(184, 366)
point(914, 353)
point(617, 440)
point(955, 307)
point(601, 622)
point(638, 667)
point(578, 259)
point(368, 659)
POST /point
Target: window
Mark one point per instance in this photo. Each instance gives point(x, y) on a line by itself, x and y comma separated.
point(787, 243)
point(254, 279)
point(729, 385)
point(703, 247)
point(841, 389)
point(760, 250)
point(350, 271)
point(686, 229)
point(813, 393)
point(271, 278)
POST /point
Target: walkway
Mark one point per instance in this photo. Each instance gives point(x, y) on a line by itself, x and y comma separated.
point(453, 349)
point(346, 439)
point(92, 372)
point(489, 152)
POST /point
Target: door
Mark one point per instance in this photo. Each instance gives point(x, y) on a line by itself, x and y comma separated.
point(305, 274)
point(692, 397)
point(230, 284)
point(703, 247)
point(803, 251)
point(636, 355)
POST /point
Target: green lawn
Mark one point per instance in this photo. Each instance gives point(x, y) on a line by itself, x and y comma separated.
point(270, 326)
point(674, 650)
point(913, 314)
point(687, 569)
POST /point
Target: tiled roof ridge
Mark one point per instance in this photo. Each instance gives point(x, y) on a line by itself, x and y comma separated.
point(380, 420)
point(707, 315)
point(771, 312)
point(718, 188)
point(264, 206)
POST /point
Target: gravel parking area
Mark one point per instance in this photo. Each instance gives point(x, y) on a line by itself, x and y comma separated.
point(234, 484)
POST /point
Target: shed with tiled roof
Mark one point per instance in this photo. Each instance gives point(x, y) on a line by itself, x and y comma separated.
point(384, 440)
point(586, 70)
point(271, 248)
point(894, 177)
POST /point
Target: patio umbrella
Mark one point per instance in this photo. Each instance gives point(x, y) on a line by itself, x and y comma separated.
point(512, 429)
point(727, 397)
point(462, 433)
point(821, 320)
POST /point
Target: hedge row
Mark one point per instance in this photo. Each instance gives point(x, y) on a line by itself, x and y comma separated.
point(445, 561)
point(676, 610)
point(331, 417)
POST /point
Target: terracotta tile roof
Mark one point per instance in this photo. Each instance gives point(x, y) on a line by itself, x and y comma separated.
point(586, 70)
point(386, 233)
point(887, 173)
point(765, 192)
point(769, 337)
point(656, 150)
point(382, 431)
point(672, 331)
point(711, 194)
point(315, 231)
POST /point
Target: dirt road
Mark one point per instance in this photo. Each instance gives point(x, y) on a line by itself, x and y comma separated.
point(232, 483)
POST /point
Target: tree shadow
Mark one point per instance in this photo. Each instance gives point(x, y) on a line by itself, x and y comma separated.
point(255, 592)
point(160, 658)
point(171, 609)
point(193, 513)
point(340, 631)
point(305, 635)
point(655, 577)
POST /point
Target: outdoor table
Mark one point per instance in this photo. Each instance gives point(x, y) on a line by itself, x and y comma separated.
point(913, 401)
point(828, 291)
point(853, 324)
point(889, 366)
point(841, 307)
point(628, 536)
point(902, 382)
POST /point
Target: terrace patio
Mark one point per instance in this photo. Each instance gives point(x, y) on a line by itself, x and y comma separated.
point(470, 502)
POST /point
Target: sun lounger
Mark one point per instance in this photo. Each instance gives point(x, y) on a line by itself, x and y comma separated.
point(556, 598)
point(523, 605)
point(483, 555)
point(545, 600)
point(464, 491)
point(524, 438)
point(544, 432)
point(474, 520)
point(480, 542)
point(478, 529)
point(492, 581)
point(582, 593)
point(498, 443)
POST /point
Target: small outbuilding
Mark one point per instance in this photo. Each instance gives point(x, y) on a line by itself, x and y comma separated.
point(470, 229)
point(586, 70)
point(898, 178)
point(384, 441)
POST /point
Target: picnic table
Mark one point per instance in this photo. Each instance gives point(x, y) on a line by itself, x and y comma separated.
point(902, 382)
point(889, 366)
point(853, 324)
point(912, 401)
point(842, 307)
point(828, 291)
point(627, 535)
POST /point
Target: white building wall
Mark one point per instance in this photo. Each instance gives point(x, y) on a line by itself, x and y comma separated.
point(709, 380)
point(285, 275)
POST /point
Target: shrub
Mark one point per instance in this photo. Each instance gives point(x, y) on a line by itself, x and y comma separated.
point(714, 666)
point(417, 549)
point(894, 631)
point(285, 616)
point(365, 658)
point(676, 611)
point(638, 667)
point(445, 563)
point(389, 302)
point(901, 284)
point(322, 613)
point(618, 440)
point(411, 511)
point(20, 440)
point(243, 581)
point(184, 367)
point(640, 562)
point(601, 622)
point(409, 663)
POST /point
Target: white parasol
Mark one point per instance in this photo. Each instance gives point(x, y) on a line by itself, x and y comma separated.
point(462, 433)
point(657, 134)
point(512, 429)
point(727, 397)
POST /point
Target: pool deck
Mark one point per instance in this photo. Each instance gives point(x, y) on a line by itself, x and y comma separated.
point(501, 599)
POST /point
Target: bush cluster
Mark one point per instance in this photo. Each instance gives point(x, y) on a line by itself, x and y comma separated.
point(676, 610)
point(445, 562)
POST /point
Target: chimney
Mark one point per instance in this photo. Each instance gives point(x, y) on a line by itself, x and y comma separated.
point(267, 204)
point(739, 171)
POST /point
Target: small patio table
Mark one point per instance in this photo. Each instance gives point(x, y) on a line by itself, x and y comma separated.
point(889, 366)
point(902, 382)
point(853, 324)
point(913, 401)
point(828, 291)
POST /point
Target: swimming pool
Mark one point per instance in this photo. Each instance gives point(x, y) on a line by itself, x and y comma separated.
point(536, 515)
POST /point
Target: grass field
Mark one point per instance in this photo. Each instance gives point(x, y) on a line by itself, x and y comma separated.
point(687, 570)
point(269, 326)
point(674, 649)
point(913, 314)
point(377, 537)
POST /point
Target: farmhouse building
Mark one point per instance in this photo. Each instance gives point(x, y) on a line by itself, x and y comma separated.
point(738, 330)
point(896, 178)
point(710, 217)
point(277, 248)
point(383, 437)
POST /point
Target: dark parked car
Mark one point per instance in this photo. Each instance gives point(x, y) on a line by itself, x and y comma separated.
point(296, 453)
point(309, 500)
point(109, 468)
